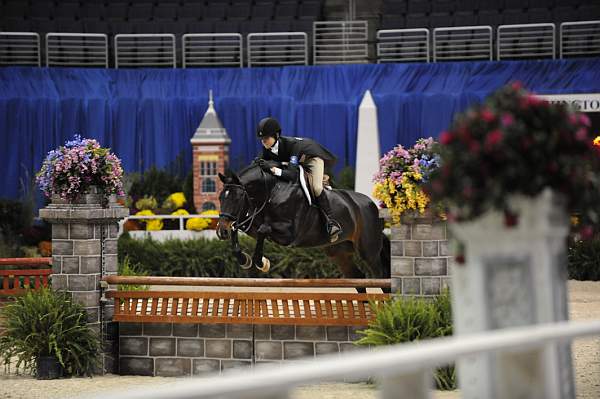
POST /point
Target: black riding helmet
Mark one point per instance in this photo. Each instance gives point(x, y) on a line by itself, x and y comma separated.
point(268, 127)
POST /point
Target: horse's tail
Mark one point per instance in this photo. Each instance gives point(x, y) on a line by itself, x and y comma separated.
point(385, 256)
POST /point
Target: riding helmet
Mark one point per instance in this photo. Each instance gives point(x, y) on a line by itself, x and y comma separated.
point(268, 127)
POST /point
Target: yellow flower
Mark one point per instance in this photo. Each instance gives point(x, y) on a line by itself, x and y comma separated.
point(177, 199)
point(597, 141)
point(151, 224)
point(197, 224)
point(154, 224)
point(145, 212)
point(210, 212)
point(574, 221)
point(408, 195)
point(180, 212)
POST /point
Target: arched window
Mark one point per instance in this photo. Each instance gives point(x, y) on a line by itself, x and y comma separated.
point(208, 206)
point(209, 185)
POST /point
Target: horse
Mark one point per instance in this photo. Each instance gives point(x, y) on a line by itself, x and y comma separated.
point(266, 207)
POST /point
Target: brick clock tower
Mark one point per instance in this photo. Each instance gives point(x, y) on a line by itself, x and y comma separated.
point(210, 152)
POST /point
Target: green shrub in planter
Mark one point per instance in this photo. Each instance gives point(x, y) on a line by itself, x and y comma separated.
point(584, 260)
point(46, 323)
point(214, 258)
point(128, 269)
point(413, 319)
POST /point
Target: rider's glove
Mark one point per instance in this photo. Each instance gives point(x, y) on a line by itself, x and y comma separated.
point(264, 165)
point(276, 171)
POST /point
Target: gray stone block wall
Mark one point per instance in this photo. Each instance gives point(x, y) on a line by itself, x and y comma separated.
point(420, 261)
point(84, 248)
point(164, 349)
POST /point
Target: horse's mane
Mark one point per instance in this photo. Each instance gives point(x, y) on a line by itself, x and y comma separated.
point(249, 171)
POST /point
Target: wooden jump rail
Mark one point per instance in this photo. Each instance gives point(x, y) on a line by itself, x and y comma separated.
point(250, 282)
point(301, 308)
point(15, 282)
point(25, 261)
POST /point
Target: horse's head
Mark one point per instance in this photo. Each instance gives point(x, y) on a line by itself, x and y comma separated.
point(242, 198)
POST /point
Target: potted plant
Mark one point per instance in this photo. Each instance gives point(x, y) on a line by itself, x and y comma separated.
point(81, 167)
point(512, 169)
point(46, 333)
point(402, 174)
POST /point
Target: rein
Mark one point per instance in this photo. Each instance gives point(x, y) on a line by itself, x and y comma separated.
point(246, 223)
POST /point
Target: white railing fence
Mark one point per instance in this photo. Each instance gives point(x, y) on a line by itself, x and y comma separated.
point(180, 218)
point(277, 48)
point(463, 43)
point(77, 49)
point(145, 50)
point(526, 41)
point(579, 39)
point(404, 371)
point(340, 42)
point(212, 49)
point(403, 45)
point(20, 48)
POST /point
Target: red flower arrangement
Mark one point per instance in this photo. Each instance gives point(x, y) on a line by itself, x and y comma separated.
point(517, 144)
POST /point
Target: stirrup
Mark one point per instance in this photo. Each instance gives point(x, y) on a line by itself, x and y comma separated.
point(333, 236)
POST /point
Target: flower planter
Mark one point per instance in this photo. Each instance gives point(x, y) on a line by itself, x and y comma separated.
point(514, 277)
point(48, 368)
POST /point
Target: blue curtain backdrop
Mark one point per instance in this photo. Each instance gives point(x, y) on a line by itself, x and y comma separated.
point(147, 116)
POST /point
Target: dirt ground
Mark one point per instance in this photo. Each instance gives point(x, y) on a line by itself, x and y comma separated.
point(584, 302)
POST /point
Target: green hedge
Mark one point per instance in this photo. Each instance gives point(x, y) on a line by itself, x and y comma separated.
point(214, 258)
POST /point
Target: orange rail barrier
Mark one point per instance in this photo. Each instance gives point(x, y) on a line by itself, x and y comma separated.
point(14, 282)
point(235, 307)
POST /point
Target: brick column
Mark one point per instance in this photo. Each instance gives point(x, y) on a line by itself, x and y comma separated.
point(84, 249)
point(420, 261)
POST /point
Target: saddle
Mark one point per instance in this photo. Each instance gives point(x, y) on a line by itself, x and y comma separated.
point(306, 187)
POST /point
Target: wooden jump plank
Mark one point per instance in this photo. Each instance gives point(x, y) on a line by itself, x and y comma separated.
point(238, 320)
point(154, 309)
point(249, 282)
point(25, 261)
point(184, 306)
point(195, 306)
point(28, 272)
point(248, 295)
point(296, 307)
point(256, 307)
point(144, 306)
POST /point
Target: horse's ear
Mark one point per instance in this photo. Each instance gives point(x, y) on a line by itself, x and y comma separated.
point(235, 179)
point(223, 177)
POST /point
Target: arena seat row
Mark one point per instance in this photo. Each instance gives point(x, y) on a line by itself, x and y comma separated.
point(450, 6)
point(145, 11)
point(491, 17)
point(65, 25)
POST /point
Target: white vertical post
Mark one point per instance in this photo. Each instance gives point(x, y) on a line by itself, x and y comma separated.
point(367, 146)
point(416, 385)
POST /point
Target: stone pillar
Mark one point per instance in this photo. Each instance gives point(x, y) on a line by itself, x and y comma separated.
point(420, 261)
point(514, 277)
point(84, 249)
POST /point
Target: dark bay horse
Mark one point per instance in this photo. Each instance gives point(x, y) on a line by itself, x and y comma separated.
point(266, 207)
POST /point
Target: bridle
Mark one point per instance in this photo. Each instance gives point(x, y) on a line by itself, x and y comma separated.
point(245, 224)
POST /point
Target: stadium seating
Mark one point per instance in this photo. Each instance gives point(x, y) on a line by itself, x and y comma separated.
point(178, 17)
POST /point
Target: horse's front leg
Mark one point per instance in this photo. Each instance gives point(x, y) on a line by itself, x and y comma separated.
point(243, 258)
point(260, 262)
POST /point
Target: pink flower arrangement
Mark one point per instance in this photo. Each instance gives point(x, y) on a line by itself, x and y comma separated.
point(71, 169)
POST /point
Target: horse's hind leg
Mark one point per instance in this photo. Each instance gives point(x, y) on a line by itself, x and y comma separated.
point(342, 254)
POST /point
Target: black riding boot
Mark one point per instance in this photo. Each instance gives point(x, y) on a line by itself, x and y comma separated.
point(333, 227)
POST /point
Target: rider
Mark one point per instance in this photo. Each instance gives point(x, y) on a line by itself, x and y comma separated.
point(292, 150)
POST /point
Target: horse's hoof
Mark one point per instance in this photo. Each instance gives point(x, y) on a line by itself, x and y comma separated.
point(266, 265)
point(334, 238)
point(248, 264)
